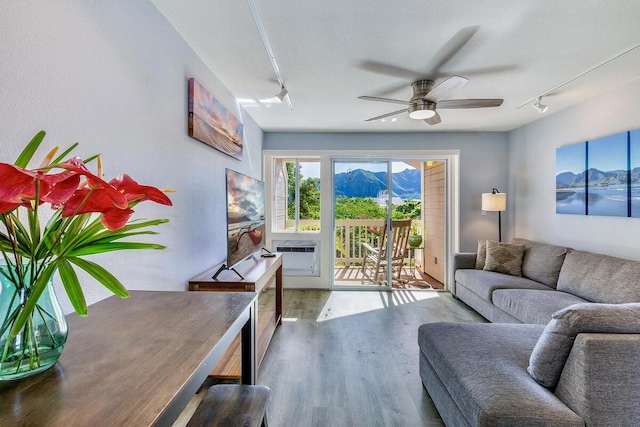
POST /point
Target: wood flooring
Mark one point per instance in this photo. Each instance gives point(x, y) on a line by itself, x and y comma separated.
point(350, 358)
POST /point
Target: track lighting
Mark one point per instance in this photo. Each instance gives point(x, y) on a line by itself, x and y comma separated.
point(540, 106)
point(283, 92)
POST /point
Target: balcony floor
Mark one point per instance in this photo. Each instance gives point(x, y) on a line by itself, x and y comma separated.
point(410, 278)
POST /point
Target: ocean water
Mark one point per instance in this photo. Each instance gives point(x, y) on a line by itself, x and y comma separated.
point(570, 202)
point(609, 200)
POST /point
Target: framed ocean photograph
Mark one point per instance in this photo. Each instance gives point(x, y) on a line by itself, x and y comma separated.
point(607, 180)
point(210, 122)
point(571, 173)
point(634, 164)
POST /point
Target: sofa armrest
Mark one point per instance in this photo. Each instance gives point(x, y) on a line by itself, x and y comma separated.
point(599, 381)
point(460, 260)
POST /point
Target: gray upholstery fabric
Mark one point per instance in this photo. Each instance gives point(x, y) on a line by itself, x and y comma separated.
point(553, 347)
point(500, 316)
point(600, 278)
point(484, 283)
point(483, 368)
point(542, 262)
point(504, 258)
point(481, 305)
point(482, 254)
point(444, 403)
point(459, 260)
point(533, 306)
point(600, 380)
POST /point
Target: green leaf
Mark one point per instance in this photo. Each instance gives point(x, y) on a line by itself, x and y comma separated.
point(64, 154)
point(41, 284)
point(98, 272)
point(28, 152)
point(95, 233)
point(98, 248)
point(72, 286)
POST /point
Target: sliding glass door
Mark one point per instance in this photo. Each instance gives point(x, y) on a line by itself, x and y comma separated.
point(389, 224)
point(363, 196)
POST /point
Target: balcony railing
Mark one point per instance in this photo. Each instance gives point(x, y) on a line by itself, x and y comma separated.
point(350, 234)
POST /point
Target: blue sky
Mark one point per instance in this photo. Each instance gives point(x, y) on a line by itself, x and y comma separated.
point(608, 153)
point(571, 158)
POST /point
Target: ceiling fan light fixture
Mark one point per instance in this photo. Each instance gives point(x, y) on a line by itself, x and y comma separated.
point(422, 111)
point(540, 106)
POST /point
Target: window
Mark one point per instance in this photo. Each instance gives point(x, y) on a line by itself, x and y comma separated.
point(297, 194)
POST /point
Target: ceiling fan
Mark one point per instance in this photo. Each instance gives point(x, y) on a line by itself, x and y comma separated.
point(426, 97)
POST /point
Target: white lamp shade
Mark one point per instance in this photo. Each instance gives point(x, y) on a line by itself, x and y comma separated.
point(493, 202)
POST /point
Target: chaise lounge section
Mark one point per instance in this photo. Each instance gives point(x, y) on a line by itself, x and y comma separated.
point(564, 350)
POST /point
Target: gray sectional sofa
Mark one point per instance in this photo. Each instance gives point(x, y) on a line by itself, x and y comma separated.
point(563, 348)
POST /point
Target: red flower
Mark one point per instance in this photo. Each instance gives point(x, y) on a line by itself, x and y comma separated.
point(59, 187)
point(135, 192)
point(114, 219)
point(16, 186)
point(113, 199)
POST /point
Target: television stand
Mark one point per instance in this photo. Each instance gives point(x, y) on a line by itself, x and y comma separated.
point(224, 267)
point(254, 274)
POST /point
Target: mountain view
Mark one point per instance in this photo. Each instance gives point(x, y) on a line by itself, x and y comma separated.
point(362, 183)
point(596, 178)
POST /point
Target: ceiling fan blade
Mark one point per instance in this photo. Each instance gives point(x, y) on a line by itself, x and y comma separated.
point(442, 90)
point(434, 120)
point(451, 48)
point(469, 103)
point(377, 98)
point(373, 119)
point(387, 69)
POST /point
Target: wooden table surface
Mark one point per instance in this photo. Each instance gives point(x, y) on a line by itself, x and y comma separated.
point(133, 362)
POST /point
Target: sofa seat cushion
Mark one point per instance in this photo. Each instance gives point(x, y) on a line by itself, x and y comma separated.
point(533, 306)
point(483, 283)
point(600, 278)
point(484, 369)
point(552, 350)
point(542, 262)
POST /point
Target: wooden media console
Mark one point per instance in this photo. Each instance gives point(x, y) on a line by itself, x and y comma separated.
point(257, 272)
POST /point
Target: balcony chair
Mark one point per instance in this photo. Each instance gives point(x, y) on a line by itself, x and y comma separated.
point(374, 260)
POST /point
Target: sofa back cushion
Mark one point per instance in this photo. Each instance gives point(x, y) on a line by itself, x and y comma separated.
point(481, 255)
point(542, 262)
point(552, 349)
point(504, 258)
point(600, 278)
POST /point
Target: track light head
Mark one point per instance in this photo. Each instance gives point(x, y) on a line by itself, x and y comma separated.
point(283, 92)
point(540, 106)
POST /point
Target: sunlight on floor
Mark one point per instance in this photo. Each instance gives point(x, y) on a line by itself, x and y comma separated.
point(349, 303)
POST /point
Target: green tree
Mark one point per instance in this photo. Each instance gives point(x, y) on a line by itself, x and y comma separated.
point(358, 208)
point(410, 209)
point(310, 198)
point(367, 208)
point(291, 190)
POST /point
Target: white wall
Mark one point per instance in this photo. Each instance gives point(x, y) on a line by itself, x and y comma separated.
point(113, 76)
point(532, 169)
point(483, 158)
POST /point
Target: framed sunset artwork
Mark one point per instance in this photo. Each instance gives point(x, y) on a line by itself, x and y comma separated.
point(211, 123)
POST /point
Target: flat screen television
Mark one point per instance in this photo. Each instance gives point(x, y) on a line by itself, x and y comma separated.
point(245, 216)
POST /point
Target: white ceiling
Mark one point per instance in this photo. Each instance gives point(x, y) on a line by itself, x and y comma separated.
point(332, 51)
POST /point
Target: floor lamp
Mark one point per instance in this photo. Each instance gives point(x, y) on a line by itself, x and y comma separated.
point(495, 202)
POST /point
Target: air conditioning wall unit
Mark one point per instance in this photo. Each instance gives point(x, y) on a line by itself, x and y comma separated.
point(299, 257)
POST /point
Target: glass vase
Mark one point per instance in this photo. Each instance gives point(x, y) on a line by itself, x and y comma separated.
point(38, 345)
